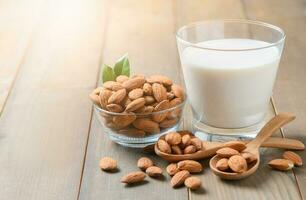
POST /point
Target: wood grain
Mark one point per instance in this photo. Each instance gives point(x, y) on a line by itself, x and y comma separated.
point(17, 21)
point(290, 86)
point(44, 126)
point(144, 29)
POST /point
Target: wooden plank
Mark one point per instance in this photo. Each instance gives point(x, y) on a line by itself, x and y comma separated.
point(290, 87)
point(44, 126)
point(17, 20)
point(265, 184)
point(144, 29)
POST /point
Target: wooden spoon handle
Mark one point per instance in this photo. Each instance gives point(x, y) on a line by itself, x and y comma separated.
point(283, 143)
point(273, 125)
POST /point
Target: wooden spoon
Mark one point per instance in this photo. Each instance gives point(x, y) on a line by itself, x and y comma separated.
point(253, 147)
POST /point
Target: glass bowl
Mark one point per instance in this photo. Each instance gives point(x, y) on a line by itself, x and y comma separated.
point(139, 130)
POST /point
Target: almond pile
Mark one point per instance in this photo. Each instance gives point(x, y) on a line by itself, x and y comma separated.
point(289, 160)
point(181, 142)
point(234, 159)
point(139, 101)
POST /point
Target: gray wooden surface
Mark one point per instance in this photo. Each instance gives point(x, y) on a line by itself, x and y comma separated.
point(50, 57)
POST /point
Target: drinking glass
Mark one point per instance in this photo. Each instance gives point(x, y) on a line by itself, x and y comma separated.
point(229, 68)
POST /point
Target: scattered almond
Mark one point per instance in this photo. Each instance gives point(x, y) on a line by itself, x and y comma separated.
point(227, 152)
point(172, 169)
point(133, 177)
point(281, 164)
point(179, 178)
point(237, 163)
point(222, 164)
point(237, 145)
point(193, 183)
point(108, 164)
point(190, 165)
point(295, 158)
point(154, 171)
point(144, 163)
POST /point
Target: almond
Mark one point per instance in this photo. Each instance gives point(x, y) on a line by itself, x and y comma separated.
point(190, 165)
point(108, 164)
point(133, 177)
point(237, 163)
point(186, 140)
point(167, 123)
point(122, 78)
point(159, 92)
point(132, 132)
point(146, 125)
point(249, 157)
point(176, 150)
point(178, 91)
point(193, 183)
point(179, 178)
point(160, 79)
point(144, 163)
point(147, 89)
point(227, 152)
point(133, 83)
point(148, 109)
point(134, 105)
point(172, 169)
point(124, 120)
point(281, 164)
point(114, 108)
point(95, 98)
point(112, 85)
point(154, 171)
point(149, 100)
point(170, 95)
point(197, 143)
point(98, 90)
point(173, 138)
point(104, 96)
point(117, 97)
point(190, 149)
point(135, 93)
point(222, 164)
point(295, 158)
point(140, 110)
point(163, 146)
point(163, 105)
point(237, 145)
point(175, 112)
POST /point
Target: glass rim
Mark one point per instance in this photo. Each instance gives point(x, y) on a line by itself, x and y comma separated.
point(242, 21)
point(141, 114)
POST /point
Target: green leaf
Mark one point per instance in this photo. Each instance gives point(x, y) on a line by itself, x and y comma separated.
point(122, 66)
point(108, 74)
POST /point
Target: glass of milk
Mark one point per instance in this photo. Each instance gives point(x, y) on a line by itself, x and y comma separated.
point(229, 68)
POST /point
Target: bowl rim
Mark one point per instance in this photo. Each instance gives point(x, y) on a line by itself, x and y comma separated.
point(141, 114)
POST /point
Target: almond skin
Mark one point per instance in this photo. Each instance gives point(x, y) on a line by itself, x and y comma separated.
point(122, 78)
point(249, 157)
point(124, 120)
point(186, 140)
point(193, 183)
point(132, 132)
point(135, 93)
point(117, 97)
point(159, 92)
point(133, 177)
point(176, 150)
point(222, 164)
point(133, 83)
point(163, 105)
point(95, 98)
point(154, 171)
point(163, 146)
point(148, 109)
point(173, 138)
point(170, 95)
point(172, 169)
point(295, 158)
point(190, 165)
point(160, 79)
point(144, 163)
point(237, 163)
point(167, 123)
point(112, 85)
point(104, 96)
point(147, 89)
point(178, 91)
point(281, 164)
point(149, 100)
point(227, 152)
point(146, 125)
point(190, 149)
point(114, 108)
point(108, 164)
point(237, 145)
point(197, 143)
point(134, 105)
point(179, 178)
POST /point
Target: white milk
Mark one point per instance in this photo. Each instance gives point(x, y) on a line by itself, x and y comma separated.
point(230, 89)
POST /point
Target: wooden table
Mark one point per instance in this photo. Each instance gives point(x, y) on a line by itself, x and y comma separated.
point(50, 56)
